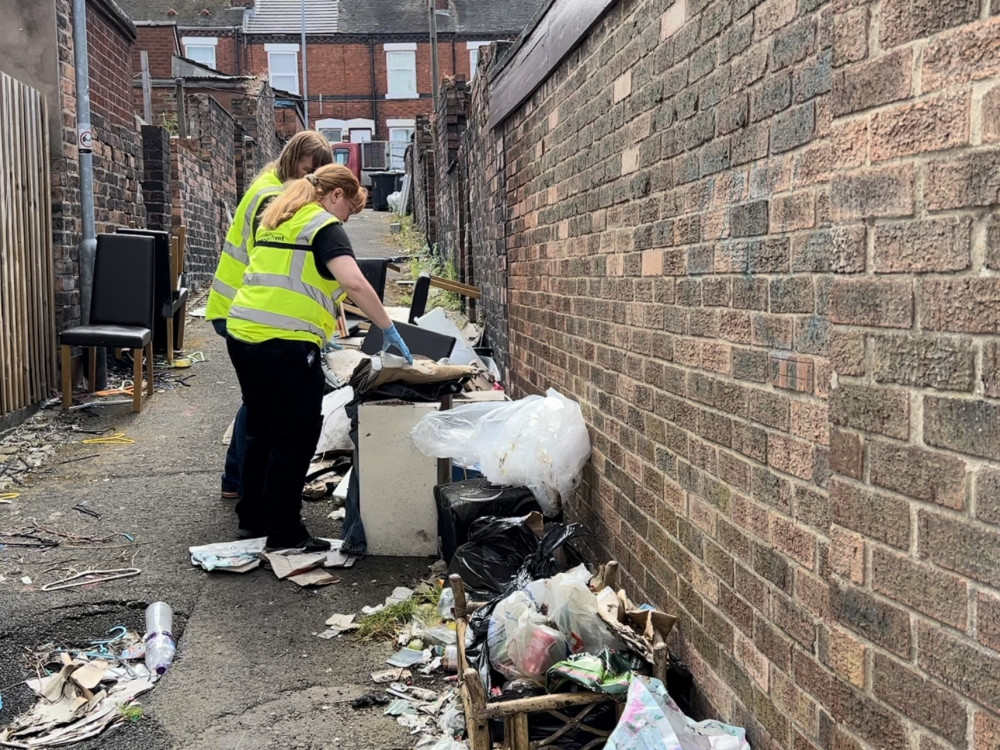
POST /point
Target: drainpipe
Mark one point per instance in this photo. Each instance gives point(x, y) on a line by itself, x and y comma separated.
point(305, 74)
point(432, 8)
point(85, 137)
point(371, 54)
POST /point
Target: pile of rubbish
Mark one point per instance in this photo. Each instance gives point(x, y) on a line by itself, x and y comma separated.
point(544, 624)
point(84, 691)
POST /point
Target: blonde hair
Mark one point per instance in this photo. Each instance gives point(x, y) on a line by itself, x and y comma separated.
point(314, 187)
point(302, 144)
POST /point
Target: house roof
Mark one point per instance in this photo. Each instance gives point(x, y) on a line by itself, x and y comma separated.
point(467, 17)
point(184, 13)
point(182, 67)
point(285, 17)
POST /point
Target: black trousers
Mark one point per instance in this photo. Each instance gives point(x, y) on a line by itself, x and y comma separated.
point(282, 384)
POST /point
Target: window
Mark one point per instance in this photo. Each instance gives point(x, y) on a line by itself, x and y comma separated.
point(283, 66)
point(401, 70)
point(400, 133)
point(473, 48)
point(334, 135)
point(201, 49)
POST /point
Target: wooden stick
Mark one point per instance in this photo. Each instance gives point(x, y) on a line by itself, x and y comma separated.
point(458, 287)
point(519, 739)
point(551, 702)
point(474, 700)
point(660, 658)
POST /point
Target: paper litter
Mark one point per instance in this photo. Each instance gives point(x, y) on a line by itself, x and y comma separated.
point(232, 557)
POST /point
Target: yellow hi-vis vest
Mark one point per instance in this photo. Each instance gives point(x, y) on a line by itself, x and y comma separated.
point(283, 294)
point(239, 241)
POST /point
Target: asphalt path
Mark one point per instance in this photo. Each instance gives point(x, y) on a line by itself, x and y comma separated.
point(249, 672)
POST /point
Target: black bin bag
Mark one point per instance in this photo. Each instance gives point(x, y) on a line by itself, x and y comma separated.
point(461, 503)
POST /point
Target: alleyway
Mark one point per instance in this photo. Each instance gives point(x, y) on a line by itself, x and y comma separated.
point(249, 673)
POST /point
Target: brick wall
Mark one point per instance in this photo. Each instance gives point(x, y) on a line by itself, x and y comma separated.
point(255, 114)
point(341, 73)
point(160, 44)
point(755, 240)
point(420, 164)
point(157, 179)
point(483, 161)
point(65, 169)
point(117, 154)
point(450, 178)
point(204, 186)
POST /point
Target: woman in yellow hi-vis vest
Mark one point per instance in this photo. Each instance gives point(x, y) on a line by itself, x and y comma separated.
point(301, 264)
point(304, 153)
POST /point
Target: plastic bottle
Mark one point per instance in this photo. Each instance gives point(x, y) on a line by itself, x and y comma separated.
point(449, 659)
point(446, 604)
point(159, 639)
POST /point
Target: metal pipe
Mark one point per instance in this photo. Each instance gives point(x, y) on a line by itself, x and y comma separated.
point(371, 55)
point(432, 7)
point(305, 74)
point(85, 148)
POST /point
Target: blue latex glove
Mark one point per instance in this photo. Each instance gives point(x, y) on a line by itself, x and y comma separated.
point(391, 337)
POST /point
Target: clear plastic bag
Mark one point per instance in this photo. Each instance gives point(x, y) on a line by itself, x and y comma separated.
point(572, 607)
point(652, 721)
point(335, 435)
point(539, 442)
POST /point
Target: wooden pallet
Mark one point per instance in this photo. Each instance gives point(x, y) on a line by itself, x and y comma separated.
point(515, 713)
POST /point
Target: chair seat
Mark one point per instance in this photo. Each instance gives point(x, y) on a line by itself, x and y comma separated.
point(180, 297)
point(122, 337)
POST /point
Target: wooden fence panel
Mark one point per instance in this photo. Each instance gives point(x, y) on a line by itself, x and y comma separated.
point(27, 304)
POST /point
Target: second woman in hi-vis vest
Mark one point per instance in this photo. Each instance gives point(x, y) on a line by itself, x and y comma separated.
point(301, 265)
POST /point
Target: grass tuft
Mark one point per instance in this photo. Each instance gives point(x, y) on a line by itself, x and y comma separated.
point(385, 622)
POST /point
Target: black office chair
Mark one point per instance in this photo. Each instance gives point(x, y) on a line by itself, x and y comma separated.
point(375, 270)
point(168, 300)
point(121, 312)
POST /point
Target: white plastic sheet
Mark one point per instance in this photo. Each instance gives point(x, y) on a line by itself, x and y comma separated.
point(538, 442)
point(336, 432)
point(652, 721)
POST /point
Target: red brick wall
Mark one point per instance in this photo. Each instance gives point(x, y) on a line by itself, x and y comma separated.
point(117, 153)
point(342, 73)
point(161, 44)
point(204, 185)
point(755, 240)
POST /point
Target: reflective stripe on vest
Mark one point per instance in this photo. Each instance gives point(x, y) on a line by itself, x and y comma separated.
point(274, 320)
point(235, 254)
point(283, 293)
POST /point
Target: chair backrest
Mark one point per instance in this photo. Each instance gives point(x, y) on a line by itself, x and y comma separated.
point(164, 291)
point(123, 281)
point(374, 270)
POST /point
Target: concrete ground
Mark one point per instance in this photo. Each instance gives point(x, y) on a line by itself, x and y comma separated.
point(250, 671)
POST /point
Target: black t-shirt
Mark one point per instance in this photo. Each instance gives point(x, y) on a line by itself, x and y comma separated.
point(330, 242)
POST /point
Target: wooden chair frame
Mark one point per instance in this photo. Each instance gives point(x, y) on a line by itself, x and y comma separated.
point(514, 713)
point(137, 384)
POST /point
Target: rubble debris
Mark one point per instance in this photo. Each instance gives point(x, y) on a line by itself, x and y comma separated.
point(315, 577)
point(370, 699)
point(81, 692)
point(391, 675)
